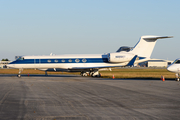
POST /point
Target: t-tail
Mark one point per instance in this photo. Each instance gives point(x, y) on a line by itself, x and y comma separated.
point(145, 46)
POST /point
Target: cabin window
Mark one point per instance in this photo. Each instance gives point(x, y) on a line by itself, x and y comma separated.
point(56, 61)
point(49, 61)
point(84, 60)
point(77, 60)
point(70, 60)
point(62, 60)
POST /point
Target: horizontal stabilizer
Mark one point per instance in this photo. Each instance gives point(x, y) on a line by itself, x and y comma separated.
point(156, 37)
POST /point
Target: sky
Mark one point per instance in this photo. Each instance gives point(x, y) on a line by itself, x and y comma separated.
point(41, 27)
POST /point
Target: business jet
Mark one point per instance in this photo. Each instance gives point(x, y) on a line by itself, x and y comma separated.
point(175, 67)
point(89, 63)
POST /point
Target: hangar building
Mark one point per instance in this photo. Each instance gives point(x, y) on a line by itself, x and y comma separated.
point(4, 63)
point(155, 63)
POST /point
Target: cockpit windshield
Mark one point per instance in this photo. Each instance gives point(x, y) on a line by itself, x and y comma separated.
point(20, 58)
point(176, 62)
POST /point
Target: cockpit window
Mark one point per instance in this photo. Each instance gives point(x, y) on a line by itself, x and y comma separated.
point(177, 62)
point(20, 58)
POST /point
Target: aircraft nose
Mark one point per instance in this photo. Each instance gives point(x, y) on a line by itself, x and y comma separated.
point(10, 65)
point(171, 68)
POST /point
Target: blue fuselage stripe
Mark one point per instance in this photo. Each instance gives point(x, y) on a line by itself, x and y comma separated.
point(48, 61)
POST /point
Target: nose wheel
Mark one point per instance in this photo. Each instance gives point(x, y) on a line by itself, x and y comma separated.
point(18, 75)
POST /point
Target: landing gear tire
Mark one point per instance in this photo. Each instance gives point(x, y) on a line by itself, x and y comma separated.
point(99, 75)
point(91, 74)
point(18, 75)
point(84, 74)
point(95, 74)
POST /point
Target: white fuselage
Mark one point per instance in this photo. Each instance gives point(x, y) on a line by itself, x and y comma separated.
point(60, 62)
point(175, 66)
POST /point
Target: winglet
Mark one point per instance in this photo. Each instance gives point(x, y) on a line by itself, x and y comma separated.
point(132, 61)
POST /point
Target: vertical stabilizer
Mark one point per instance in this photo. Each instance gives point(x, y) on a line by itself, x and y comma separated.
point(145, 45)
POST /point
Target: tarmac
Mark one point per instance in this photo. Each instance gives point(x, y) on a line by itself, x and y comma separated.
point(66, 97)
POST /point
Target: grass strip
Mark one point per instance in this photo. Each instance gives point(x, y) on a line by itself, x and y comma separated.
point(118, 73)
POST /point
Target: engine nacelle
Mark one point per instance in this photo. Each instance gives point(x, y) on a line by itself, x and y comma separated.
point(119, 57)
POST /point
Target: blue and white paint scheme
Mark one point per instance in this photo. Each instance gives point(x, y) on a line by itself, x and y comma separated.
point(175, 68)
point(89, 63)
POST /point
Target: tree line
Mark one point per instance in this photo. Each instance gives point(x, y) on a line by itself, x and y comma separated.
point(5, 59)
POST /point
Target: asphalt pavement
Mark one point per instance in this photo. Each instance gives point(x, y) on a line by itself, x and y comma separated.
point(66, 97)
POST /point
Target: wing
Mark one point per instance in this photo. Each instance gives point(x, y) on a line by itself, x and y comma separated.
point(131, 62)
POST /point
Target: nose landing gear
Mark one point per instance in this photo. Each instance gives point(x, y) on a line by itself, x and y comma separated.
point(177, 76)
point(19, 75)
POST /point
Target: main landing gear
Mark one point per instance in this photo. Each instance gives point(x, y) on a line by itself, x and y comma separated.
point(84, 74)
point(90, 73)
